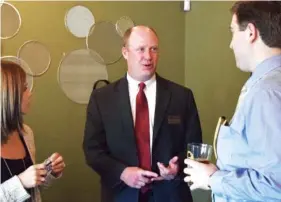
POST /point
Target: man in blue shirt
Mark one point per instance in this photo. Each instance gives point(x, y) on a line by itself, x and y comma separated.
point(249, 152)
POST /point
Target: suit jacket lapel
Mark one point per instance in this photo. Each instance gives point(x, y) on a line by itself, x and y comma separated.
point(162, 100)
point(126, 112)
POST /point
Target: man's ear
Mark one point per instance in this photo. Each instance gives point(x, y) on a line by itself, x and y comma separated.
point(125, 52)
point(252, 32)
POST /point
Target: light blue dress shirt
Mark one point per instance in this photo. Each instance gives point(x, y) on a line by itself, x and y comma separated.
point(249, 150)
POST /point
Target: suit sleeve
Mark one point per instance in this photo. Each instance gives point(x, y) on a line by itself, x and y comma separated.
point(96, 152)
point(193, 131)
point(193, 126)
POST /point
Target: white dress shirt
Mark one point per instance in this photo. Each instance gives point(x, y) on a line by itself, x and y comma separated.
point(150, 93)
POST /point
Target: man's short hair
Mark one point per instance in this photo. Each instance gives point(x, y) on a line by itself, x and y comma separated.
point(264, 15)
point(128, 32)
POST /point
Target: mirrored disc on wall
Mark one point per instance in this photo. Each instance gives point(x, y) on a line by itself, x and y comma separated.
point(123, 24)
point(36, 55)
point(104, 39)
point(78, 20)
point(77, 73)
point(24, 66)
point(10, 20)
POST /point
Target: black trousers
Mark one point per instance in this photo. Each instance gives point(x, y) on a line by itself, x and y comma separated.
point(146, 197)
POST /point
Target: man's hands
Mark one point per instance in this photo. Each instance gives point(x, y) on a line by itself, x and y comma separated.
point(169, 172)
point(136, 177)
point(199, 174)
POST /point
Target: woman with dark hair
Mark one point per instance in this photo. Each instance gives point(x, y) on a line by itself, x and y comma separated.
point(20, 176)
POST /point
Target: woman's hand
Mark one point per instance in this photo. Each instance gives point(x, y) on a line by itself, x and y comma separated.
point(33, 176)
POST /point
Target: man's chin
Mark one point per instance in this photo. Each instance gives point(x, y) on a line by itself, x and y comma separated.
point(244, 69)
point(146, 76)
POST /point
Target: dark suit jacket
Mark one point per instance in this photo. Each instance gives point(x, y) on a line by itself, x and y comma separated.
point(110, 145)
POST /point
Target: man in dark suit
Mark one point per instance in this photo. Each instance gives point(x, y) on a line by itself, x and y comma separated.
point(138, 127)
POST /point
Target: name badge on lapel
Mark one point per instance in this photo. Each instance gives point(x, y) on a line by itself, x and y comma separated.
point(174, 120)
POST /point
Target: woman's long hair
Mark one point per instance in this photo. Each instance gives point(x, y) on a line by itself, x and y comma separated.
point(13, 80)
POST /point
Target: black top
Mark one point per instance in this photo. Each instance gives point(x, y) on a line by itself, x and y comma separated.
point(16, 166)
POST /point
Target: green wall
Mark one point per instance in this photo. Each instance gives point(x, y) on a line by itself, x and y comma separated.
point(195, 52)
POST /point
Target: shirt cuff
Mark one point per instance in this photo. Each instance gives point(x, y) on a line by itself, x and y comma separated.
point(216, 181)
point(15, 189)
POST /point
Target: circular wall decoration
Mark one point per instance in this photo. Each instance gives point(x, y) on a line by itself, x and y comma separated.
point(10, 21)
point(77, 73)
point(104, 39)
point(24, 66)
point(123, 24)
point(78, 20)
point(36, 55)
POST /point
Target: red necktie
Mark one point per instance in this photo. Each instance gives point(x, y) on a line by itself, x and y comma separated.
point(142, 129)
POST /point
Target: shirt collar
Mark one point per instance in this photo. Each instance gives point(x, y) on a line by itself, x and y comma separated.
point(262, 69)
point(135, 83)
